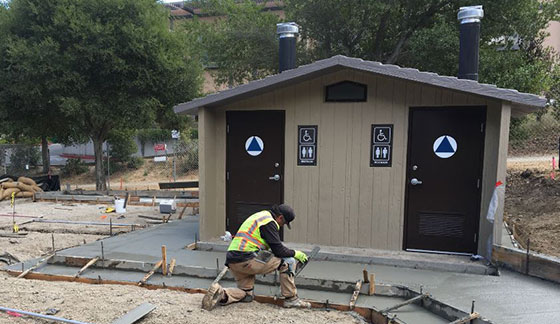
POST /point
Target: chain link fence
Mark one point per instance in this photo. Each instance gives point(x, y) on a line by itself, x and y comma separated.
point(187, 157)
point(536, 134)
point(140, 166)
point(20, 159)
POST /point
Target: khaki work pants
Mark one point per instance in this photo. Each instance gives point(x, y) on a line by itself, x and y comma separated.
point(244, 274)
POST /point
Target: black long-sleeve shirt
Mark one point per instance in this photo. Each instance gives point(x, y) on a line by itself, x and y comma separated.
point(271, 235)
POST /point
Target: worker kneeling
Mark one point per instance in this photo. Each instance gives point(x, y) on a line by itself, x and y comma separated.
point(249, 255)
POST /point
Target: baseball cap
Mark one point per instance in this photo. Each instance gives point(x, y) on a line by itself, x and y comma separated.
point(286, 211)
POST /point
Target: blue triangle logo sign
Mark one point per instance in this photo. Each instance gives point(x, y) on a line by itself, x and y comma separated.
point(254, 146)
point(445, 146)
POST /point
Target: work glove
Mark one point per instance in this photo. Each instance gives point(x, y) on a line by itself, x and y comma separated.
point(301, 257)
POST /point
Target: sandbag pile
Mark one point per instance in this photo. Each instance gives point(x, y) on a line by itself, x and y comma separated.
point(24, 188)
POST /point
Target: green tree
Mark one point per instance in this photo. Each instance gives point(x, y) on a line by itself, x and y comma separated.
point(374, 30)
point(119, 65)
point(28, 93)
point(241, 43)
point(512, 54)
point(407, 33)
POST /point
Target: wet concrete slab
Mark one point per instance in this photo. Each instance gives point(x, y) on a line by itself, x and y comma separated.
point(508, 298)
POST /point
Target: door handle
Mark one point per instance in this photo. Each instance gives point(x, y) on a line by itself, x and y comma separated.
point(276, 177)
point(415, 182)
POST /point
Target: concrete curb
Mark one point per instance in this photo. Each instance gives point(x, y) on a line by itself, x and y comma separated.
point(425, 262)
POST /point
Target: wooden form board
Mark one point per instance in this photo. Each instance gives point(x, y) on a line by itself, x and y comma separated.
point(538, 265)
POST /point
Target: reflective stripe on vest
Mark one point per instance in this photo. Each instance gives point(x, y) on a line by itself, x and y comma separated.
point(248, 238)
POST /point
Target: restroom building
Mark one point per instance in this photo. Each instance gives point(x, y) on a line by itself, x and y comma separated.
point(369, 155)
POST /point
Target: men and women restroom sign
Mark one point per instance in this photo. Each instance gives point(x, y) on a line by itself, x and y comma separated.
point(381, 145)
point(307, 145)
point(444, 146)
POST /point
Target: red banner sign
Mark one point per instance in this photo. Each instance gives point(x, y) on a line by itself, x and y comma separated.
point(160, 147)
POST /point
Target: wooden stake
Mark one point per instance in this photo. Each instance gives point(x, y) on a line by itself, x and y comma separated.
point(371, 290)
point(40, 263)
point(171, 267)
point(182, 212)
point(89, 264)
point(355, 294)
point(126, 199)
point(366, 276)
point(466, 319)
point(149, 274)
point(164, 260)
point(191, 246)
point(52, 237)
point(154, 202)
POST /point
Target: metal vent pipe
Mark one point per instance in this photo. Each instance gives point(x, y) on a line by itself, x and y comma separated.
point(287, 34)
point(469, 30)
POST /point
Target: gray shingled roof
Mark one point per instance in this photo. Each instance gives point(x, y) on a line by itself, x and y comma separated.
point(522, 102)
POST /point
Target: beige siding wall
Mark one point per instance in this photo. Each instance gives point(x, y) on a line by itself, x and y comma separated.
point(342, 201)
point(208, 174)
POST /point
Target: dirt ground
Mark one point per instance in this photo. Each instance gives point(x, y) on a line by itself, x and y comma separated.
point(67, 211)
point(105, 303)
point(532, 206)
point(146, 177)
point(37, 244)
point(38, 238)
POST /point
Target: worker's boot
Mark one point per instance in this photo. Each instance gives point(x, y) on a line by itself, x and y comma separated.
point(214, 295)
point(295, 302)
point(248, 298)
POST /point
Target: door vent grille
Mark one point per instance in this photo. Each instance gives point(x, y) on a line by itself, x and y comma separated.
point(445, 225)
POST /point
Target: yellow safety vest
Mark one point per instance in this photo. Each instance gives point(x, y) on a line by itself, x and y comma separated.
point(248, 238)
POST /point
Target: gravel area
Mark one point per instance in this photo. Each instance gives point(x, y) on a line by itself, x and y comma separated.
point(105, 303)
point(66, 211)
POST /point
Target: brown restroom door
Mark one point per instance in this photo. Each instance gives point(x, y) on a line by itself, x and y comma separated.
point(255, 163)
point(444, 172)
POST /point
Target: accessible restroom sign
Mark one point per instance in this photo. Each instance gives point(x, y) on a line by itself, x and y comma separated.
point(307, 145)
point(381, 145)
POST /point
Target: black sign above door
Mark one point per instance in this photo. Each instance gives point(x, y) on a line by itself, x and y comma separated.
point(307, 145)
point(381, 145)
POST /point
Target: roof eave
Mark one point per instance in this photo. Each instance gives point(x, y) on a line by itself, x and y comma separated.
point(339, 62)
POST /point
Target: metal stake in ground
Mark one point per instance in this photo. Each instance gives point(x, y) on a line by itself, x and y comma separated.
point(47, 317)
point(527, 257)
point(15, 228)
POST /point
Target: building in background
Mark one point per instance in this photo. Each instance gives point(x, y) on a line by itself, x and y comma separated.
point(553, 40)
